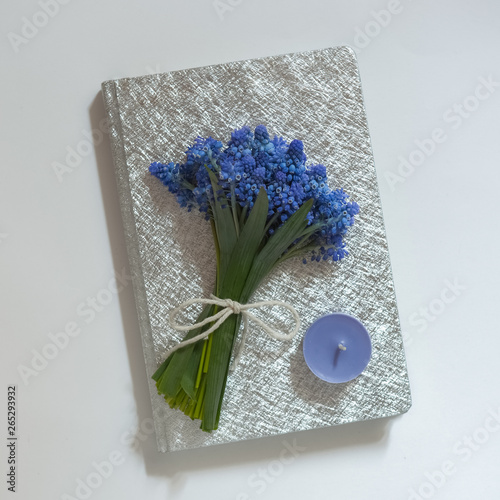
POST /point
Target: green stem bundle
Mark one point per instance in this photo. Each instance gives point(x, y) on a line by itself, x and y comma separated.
point(193, 378)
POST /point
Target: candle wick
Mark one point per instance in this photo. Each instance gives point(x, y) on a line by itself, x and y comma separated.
point(342, 347)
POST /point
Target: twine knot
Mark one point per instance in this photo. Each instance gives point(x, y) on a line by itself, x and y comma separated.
point(233, 305)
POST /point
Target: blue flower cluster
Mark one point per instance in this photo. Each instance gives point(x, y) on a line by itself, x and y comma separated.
point(252, 160)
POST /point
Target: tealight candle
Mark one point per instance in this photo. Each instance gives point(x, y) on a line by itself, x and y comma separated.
point(337, 348)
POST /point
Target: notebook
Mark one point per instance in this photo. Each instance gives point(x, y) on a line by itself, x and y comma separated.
point(314, 96)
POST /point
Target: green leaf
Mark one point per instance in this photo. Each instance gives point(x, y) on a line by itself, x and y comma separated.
point(161, 369)
point(280, 241)
point(243, 215)
point(169, 382)
point(236, 329)
point(220, 357)
point(234, 210)
point(246, 248)
point(224, 226)
point(217, 251)
point(305, 243)
point(188, 381)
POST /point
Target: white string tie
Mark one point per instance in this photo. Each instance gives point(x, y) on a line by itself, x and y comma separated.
point(229, 307)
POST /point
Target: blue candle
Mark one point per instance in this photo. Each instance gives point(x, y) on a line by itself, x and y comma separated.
point(337, 348)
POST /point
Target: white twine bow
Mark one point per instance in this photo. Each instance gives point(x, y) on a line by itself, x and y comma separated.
point(230, 307)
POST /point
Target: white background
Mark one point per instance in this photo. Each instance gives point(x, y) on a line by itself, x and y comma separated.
point(61, 238)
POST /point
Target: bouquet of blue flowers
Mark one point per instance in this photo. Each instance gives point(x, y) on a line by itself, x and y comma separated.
point(265, 205)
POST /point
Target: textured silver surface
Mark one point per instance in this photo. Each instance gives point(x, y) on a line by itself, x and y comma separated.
point(314, 96)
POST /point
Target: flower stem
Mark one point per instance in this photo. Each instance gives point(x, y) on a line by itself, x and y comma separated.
point(234, 210)
point(272, 220)
point(201, 398)
point(200, 371)
point(207, 357)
